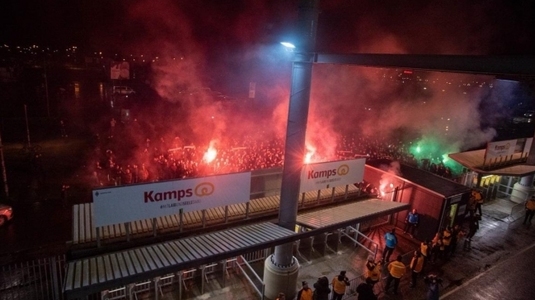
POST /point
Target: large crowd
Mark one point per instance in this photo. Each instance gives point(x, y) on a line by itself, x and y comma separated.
point(120, 159)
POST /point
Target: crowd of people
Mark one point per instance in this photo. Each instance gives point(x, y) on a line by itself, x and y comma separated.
point(440, 249)
point(125, 154)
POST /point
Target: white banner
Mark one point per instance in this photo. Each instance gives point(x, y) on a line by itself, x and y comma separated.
point(146, 201)
point(331, 174)
point(501, 148)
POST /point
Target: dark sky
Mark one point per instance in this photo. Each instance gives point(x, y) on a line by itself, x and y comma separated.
point(389, 26)
point(227, 45)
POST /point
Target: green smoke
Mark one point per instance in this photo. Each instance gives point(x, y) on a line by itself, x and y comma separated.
point(436, 152)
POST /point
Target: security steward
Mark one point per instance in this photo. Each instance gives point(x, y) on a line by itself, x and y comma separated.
point(396, 270)
point(305, 293)
point(373, 271)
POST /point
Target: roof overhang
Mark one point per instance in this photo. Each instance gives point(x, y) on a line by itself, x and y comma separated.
point(475, 161)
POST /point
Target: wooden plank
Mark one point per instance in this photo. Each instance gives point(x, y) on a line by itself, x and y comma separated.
point(81, 223)
point(206, 245)
point(189, 218)
point(86, 212)
point(108, 267)
point(170, 222)
point(117, 265)
point(222, 245)
point(198, 248)
point(164, 256)
point(197, 216)
point(75, 227)
point(233, 210)
point(139, 261)
point(186, 249)
point(220, 213)
point(92, 225)
point(105, 232)
point(135, 227)
point(182, 253)
point(233, 240)
point(145, 225)
point(176, 220)
point(175, 252)
point(166, 222)
point(101, 268)
point(246, 234)
point(69, 279)
point(85, 272)
point(274, 202)
point(255, 206)
point(122, 229)
point(93, 271)
point(128, 263)
point(210, 214)
point(161, 222)
point(151, 263)
point(78, 274)
point(87, 222)
point(131, 258)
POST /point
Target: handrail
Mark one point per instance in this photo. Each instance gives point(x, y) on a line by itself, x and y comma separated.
point(374, 253)
point(260, 292)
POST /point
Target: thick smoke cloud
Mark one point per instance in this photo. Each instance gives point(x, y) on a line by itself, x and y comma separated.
point(211, 46)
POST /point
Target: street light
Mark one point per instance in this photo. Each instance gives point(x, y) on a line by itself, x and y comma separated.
point(289, 46)
point(281, 268)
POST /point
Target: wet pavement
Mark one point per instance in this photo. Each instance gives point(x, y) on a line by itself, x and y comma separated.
point(498, 265)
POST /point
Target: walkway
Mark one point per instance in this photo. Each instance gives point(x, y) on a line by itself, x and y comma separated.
point(498, 239)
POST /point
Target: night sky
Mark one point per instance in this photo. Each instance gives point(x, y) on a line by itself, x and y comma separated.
point(226, 45)
point(366, 26)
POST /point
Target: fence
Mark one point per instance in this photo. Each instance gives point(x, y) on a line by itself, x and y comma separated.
point(37, 279)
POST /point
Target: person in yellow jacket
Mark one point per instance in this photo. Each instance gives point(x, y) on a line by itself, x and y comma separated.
point(416, 266)
point(396, 270)
point(339, 285)
point(305, 293)
point(530, 210)
point(425, 250)
point(373, 271)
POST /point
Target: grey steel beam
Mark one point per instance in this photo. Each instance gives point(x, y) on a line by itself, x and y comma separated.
point(474, 64)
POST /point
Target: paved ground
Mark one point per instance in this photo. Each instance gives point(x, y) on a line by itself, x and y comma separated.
point(500, 241)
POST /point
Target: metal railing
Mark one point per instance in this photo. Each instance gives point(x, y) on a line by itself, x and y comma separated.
point(242, 262)
point(35, 279)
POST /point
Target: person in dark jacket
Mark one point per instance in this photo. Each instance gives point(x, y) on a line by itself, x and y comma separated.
point(473, 228)
point(321, 289)
point(433, 287)
point(365, 291)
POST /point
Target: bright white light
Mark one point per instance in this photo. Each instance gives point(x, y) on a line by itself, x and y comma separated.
point(288, 45)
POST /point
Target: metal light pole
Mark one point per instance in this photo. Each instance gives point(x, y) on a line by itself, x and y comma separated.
point(3, 164)
point(46, 90)
point(281, 268)
point(27, 127)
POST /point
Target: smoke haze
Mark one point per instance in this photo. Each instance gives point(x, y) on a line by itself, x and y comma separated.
point(208, 47)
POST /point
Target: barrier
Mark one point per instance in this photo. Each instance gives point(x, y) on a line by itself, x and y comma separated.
point(84, 232)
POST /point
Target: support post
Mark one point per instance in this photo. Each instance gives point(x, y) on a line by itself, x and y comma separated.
point(281, 268)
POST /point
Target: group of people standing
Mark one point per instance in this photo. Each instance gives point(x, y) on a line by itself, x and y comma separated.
point(322, 289)
point(441, 247)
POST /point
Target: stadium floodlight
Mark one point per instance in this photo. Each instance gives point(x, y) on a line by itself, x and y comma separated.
point(288, 45)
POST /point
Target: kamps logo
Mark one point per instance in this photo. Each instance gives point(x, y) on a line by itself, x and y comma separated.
point(341, 171)
point(201, 190)
point(502, 147)
point(204, 189)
